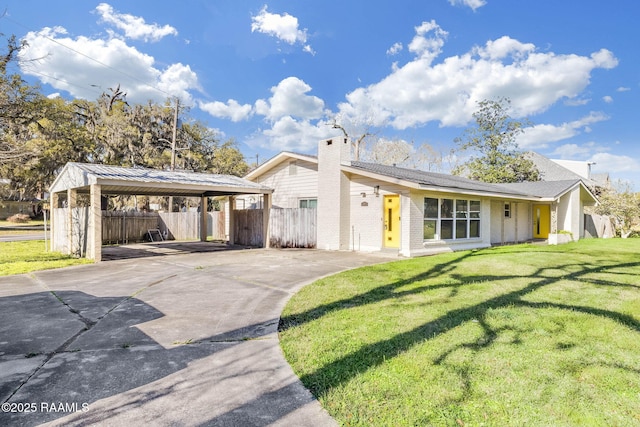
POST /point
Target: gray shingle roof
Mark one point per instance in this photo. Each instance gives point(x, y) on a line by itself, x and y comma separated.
point(550, 170)
point(436, 179)
point(542, 189)
point(546, 189)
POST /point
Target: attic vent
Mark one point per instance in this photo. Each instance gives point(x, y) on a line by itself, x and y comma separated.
point(329, 142)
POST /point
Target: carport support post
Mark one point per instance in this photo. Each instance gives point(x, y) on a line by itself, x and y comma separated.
point(266, 210)
point(95, 223)
point(232, 206)
point(72, 197)
point(53, 219)
point(203, 218)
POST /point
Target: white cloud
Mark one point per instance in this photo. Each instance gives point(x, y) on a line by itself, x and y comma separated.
point(607, 99)
point(539, 136)
point(428, 48)
point(283, 27)
point(576, 102)
point(607, 162)
point(134, 27)
point(231, 110)
point(290, 99)
point(623, 89)
point(473, 4)
point(395, 49)
point(447, 91)
point(574, 151)
point(80, 65)
point(288, 134)
point(503, 48)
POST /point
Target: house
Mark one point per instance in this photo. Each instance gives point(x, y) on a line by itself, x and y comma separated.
point(558, 170)
point(372, 207)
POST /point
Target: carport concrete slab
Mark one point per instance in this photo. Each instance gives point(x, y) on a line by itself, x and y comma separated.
point(186, 339)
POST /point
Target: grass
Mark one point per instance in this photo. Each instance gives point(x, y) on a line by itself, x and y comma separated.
point(31, 223)
point(516, 335)
point(8, 228)
point(27, 256)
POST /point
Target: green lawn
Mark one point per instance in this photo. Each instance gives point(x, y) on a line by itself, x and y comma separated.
point(26, 256)
point(516, 335)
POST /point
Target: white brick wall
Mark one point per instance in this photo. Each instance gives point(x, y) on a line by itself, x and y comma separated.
point(333, 195)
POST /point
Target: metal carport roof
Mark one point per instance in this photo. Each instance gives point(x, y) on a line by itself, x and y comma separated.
point(151, 182)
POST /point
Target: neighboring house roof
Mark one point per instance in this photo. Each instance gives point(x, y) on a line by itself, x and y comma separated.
point(550, 170)
point(123, 180)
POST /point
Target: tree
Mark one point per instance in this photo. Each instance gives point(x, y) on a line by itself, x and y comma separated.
point(39, 135)
point(54, 139)
point(622, 205)
point(403, 154)
point(19, 106)
point(492, 143)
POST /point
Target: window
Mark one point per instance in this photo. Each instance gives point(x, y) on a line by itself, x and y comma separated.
point(507, 210)
point(308, 203)
point(451, 219)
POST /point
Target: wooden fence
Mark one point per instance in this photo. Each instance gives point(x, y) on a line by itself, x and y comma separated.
point(121, 227)
point(598, 226)
point(288, 228)
point(79, 226)
point(186, 225)
point(292, 228)
point(247, 227)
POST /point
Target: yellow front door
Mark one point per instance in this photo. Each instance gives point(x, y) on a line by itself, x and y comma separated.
point(541, 221)
point(392, 221)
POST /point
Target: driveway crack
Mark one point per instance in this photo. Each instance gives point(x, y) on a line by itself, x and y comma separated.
point(87, 322)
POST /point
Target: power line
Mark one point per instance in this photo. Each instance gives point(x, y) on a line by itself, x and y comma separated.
point(63, 81)
point(88, 57)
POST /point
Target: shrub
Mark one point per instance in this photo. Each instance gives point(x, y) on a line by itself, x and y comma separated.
point(19, 218)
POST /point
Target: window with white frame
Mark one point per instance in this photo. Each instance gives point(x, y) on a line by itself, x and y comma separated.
point(507, 210)
point(308, 203)
point(451, 219)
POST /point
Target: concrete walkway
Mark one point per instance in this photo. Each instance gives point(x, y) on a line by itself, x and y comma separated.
point(173, 340)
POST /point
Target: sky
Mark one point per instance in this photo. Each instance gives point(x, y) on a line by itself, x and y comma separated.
point(276, 75)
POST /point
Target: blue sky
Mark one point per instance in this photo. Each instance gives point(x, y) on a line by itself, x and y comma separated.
point(275, 75)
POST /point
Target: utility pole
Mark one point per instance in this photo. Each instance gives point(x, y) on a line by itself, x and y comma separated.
point(173, 147)
point(173, 137)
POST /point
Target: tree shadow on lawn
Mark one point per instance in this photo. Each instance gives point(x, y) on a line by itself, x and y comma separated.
point(378, 294)
point(344, 369)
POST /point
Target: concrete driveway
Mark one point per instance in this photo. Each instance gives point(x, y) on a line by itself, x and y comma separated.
point(173, 340)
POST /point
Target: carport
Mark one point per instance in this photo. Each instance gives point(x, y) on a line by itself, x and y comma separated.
point(100, 180)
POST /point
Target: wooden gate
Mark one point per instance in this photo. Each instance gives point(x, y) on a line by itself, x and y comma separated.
point(247, 227)
point(292, 228)
point(288, 228)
